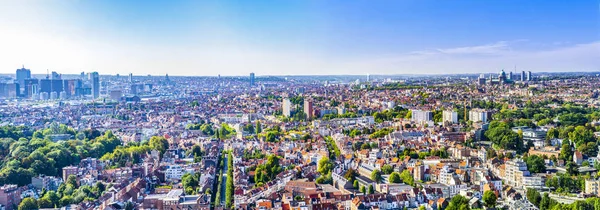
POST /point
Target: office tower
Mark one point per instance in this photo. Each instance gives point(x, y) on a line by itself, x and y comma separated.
point(510, 75)
point(46, 86)
point(529, 78)
point(57, 86)
point(522, 76)
point(130, 77)
point(95, 80)
point(82, 76)
point(56, 76)
point(368, 77)
point(252, 79)
point(71, 87)
point(481, 80)
point(22, 74)
point(308, 109)
point(287, 107)
point(420, 116)
point(450, 116)
point(116, 94)
point(478, 115)
point(31, 87)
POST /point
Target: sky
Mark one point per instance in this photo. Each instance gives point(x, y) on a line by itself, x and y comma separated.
point(299, 37)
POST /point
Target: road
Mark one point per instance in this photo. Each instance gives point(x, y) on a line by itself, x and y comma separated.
point(224, 181)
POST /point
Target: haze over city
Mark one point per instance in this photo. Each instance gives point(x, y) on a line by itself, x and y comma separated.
point(208, 38)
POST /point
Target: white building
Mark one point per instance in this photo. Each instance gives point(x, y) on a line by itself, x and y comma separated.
point(515, 171)
point(478, 115)
point(174, 172)
point(286, 105)
point(421, 116)
point(450, 117)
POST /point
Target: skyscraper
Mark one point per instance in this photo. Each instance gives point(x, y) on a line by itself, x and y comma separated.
point(529, 78)
point(252, 79)
point(522, 76)
point(286, 106)
point(130, 77)
point(95, 79)
point(22, 74)
point(308, 109)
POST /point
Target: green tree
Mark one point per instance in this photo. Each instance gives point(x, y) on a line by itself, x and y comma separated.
point(376, 176)
point(363, 190)
point(534, 196)
point(45, 203)
point(190, 183)
point(258, 127)
point(159, 143)
point(72, 180)
point(325, 165)
point(458, 202)
point(395, 178)
point(387, 169)
point(489, 199)
point(407, 177)
point(535, 164)
point(371, 189)
point(28, 204)
point(355, 184)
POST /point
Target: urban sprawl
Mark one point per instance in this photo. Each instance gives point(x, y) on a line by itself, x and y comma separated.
point(508, 140)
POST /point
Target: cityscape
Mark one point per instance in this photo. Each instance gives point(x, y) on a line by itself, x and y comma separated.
point(300, 105)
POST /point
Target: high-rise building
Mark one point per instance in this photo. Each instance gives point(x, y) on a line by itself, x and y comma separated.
point(286, 107)
point(481, 80)
point(478, 115)
point(56, 76)
point(450, 116)
point(421, 116)
point(522, 76)
point(510, 75)
point(252, 79)
point(31, 87)
point(308, 109)
point(130, 77)
point(46, 86)
point(95, 80)
point(22, 74)
point(529, 77)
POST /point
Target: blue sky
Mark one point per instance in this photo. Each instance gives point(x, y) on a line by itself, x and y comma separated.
point(299, 37)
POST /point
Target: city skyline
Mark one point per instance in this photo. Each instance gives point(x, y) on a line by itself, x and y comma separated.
point(299, 37)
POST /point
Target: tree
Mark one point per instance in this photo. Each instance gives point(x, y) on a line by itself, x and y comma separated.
point(535, 164)
point(72, 180)
point(376, 175)
point(45, 203)
point(545, 202)
point(534, 196)
point(407, 177)
point(325, 165)
point(458, 202)
point(489, 199)
point(190, 183)
point(395, 178)
point(572, 168)
point(28, 204)
point(258, 127)
point(54, 198)
point(363, 189)
point(387, 169)
point(355, 184)
point(159, 143)
point(371, 190)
